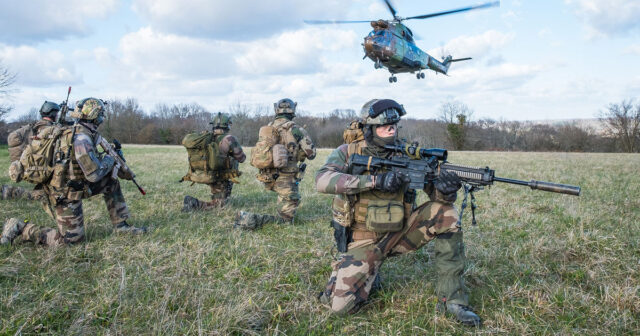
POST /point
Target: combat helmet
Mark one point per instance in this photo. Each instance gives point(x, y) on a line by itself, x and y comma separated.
point(89, 109)
point(381, 112)
point(49, 109)
point(285, 106)
point(221, 120)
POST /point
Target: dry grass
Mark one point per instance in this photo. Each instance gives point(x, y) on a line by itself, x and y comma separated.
point(539, 263)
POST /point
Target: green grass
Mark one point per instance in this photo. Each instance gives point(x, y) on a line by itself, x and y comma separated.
point(538, 263)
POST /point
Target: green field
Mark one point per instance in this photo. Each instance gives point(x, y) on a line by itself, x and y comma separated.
point(538, 263)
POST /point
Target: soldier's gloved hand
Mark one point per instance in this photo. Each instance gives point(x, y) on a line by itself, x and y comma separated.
point(448, 182)
point(124, 175)
point(390, 181)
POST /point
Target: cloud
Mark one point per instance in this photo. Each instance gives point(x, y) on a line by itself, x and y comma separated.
point(633, 49)
point(35, 67)
point(607, 17)
point(476, 46)
point(148, 55)
point(294, 52)
point(232, 20)
point(29, 22)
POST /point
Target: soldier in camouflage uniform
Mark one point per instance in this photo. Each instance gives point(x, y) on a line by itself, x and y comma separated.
point(230, 148)
point(375, 217)
point(283, 181)
point(88, 173)
point(48, 112)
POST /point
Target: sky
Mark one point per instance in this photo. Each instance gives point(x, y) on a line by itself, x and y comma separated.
point(532, 60)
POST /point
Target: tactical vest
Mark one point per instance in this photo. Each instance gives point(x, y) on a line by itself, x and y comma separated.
point(372, 213)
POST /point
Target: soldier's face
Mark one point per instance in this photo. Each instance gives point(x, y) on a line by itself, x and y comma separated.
point(385, 131)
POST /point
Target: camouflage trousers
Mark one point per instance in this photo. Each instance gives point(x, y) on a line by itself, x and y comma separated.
point(286, 185)
point(354, 273)
point(70, 217)
point(221, 190)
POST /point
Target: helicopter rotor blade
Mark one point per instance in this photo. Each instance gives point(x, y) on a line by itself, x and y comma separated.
point(458, 10)
point(333, 21)
point(391, 9)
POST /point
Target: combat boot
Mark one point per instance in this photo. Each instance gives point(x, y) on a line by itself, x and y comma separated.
point(11, 230)
point(5, 192)
point(464, 314)
point(124, 227)
point(191, 204)
point(250, 221)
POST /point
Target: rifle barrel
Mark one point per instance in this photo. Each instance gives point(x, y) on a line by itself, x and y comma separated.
point(545, 186)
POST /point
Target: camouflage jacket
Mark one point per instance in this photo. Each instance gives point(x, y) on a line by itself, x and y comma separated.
point(334, 178)
point(297, 141)
point(94, 166)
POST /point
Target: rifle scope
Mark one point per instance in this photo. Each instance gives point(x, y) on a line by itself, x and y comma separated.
point(417, 152)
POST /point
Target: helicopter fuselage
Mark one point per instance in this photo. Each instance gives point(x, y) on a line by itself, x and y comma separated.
point(390, 44)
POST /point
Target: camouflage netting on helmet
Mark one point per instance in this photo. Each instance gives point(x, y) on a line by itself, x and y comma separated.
point(88, 109)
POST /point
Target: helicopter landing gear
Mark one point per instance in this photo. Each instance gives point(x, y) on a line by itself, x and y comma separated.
point(393, 79)
point(377, 64)
point(420, 75)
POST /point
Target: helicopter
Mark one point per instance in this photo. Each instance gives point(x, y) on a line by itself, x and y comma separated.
point(391, 45)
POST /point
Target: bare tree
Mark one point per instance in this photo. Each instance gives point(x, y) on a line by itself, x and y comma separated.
point(7, 78)
point(456, 115)
point(622, 122)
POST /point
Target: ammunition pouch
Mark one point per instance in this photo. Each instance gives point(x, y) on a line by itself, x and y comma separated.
point(385, 215)
point(342, 235)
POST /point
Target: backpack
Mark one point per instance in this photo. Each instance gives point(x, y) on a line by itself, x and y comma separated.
point(353, 132)
point(268, 152)
point(37, 162)
point(18, 140)
point(205, 158)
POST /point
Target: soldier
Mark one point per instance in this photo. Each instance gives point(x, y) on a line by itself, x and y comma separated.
point(21, 137)
point(88, 173)
point(375, 217)
point(296, 147)
point(230, 155)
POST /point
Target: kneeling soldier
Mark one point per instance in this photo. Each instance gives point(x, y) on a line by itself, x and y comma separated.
point(282, 144)
point(375, 217)
point(214, 158)
point(86, 173)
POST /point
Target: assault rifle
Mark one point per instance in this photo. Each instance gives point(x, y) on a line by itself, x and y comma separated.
point(116, 153)
point(62, 115)
point(423, 165)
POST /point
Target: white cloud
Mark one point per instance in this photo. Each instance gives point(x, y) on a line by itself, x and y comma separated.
point(633, 49)
point(293, 52)
point(232, 20)
point(607, 17)
point(26, 22)
point(148, 55)
point(36, 67)
point(476, 46)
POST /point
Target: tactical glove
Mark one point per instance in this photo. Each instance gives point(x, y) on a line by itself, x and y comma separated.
point(390, 181)
point(448, 182)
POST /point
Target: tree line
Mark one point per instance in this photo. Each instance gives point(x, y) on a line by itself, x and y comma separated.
point(454, 128)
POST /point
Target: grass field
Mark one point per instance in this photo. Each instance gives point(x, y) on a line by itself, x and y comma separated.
point(538, 263)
